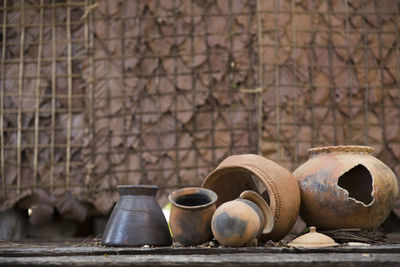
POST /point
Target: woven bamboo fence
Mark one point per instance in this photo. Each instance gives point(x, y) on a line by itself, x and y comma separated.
point(100, 93)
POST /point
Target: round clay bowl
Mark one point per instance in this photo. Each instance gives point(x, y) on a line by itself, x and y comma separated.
point(345, 187)
point(274, 183)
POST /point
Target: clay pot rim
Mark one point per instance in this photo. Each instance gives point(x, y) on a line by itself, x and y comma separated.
point(263, 205)
point(137, 189)
point(211, 194)
point(245, 167)
point(345, 148)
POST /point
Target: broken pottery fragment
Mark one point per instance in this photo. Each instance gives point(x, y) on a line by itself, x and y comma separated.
point(313, 239)
point(241, 222)
point(345, 187)
point(274, 183)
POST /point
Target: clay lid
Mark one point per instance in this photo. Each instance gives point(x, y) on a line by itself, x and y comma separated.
point(313, 240)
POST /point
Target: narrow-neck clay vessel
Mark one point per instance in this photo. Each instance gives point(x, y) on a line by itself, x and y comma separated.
point(274, 183)
point(242, 221)
point(137, 219)
point(345, 187)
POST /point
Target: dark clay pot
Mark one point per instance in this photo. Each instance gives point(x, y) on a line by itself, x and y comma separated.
point(137, 219)
point(191, 213)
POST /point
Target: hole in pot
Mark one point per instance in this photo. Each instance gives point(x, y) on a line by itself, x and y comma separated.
point(358, 182)
point(193, 200)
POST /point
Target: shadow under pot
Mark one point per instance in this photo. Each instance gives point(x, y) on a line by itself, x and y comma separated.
point(191, 213)
point(137, 219)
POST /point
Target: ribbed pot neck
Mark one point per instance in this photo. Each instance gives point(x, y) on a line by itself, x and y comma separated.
point(312, 152)
point(147, 190)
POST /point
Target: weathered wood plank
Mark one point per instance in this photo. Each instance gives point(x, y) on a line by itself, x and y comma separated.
point(240, 259)
point(36, 251)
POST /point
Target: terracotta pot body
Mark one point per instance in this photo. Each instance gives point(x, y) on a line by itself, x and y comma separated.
point(345, 187)
point(137, 219)
point(274, 183)
point(242, 221)
point(191, 212)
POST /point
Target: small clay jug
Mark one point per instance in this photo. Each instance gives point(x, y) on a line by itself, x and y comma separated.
point(242, 221)
point(191, 212)
point(274, 183)
point(137, 219)
point(345, 187)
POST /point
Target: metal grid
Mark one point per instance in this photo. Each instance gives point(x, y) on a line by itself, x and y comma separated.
point(41, 111)
point(332, 69)
point(100, 93)
point(174, 126)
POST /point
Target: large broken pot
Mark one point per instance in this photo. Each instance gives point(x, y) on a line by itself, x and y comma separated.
point(274, 183)
point(345, 187)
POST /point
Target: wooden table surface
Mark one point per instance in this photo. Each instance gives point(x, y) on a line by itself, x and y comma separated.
point(89, 254)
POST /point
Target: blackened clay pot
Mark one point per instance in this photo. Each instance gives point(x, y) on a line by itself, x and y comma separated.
point(137, 219)
point(191, 212)
point(345, 187)
point(242, 221)
point(274, 183)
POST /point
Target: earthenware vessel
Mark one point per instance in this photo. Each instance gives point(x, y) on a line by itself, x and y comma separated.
point(241, 222)
point(313, 239)
point(345, 187)
point(137, 219)
point(191, 212)
point(274, 183)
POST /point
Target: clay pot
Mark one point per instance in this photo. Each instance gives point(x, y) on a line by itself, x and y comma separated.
point(191, 212)
point(274, 183)
point(345, 187)
point(137, 219)
point(241, 221)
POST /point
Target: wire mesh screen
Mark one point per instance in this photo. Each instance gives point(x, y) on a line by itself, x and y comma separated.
point(42, 102)
point(100, 93)
point(331, 75)
point(166, 104)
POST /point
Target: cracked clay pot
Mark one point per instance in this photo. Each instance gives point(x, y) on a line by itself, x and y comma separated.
point(345, 187)
point(274, 183)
